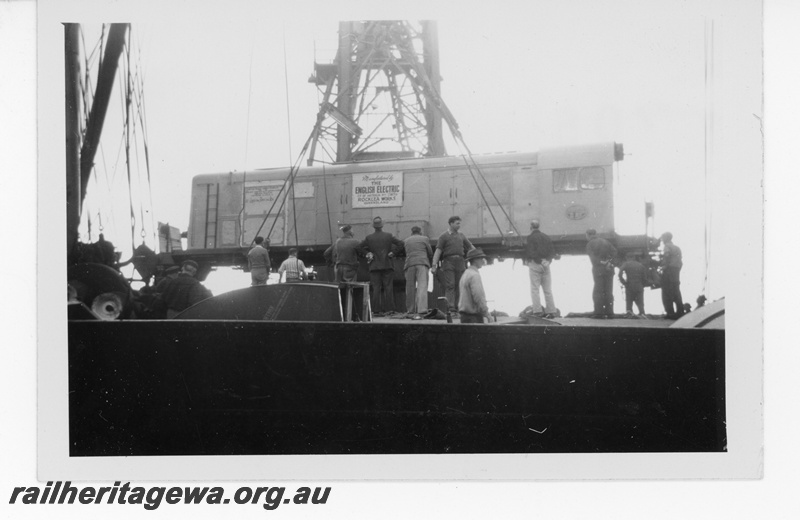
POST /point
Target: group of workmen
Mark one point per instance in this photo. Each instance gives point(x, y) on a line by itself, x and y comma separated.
point(463, 287)
point(633, 275)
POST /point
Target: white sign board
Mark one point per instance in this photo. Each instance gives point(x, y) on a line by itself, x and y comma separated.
point(377, 190)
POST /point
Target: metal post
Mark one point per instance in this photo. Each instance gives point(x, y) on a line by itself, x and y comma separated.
point(72, 105)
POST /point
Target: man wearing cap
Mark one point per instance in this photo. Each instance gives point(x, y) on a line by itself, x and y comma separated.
point(170, 274)
point(381, 248)
point(540, 253)
point(472, 305)
point(294, 268)
point(671, 264)
point(418, 254)
point(258, 261)
point(602, 255)
point(157, 306)
point(344, 255)
point(185, 290)
point(450, 249)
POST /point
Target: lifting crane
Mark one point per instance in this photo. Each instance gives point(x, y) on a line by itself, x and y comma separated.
point(380, 96)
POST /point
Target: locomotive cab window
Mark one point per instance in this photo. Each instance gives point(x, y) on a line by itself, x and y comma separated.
point(576, 179)
point(565, 179)
point(593, 178)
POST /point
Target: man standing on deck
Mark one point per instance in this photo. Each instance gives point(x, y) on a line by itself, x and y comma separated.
point(343, 254)
point(185, 290)
point(381, 248)
point(294, 268)
point(602, 255)
point(451, 248)
point(540, 252)
point(258, 261)
point(418, 254)
point(633, 275)
point(472, 306)
point(671, 264)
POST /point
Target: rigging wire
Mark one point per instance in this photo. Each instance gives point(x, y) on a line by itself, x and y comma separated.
point(289, 131)
point(127, 73)
point(327, 202)
point(433, 97)
point(436, 100)
point(246, 143)
point(708, 136)
point(138, 162)
point(140, 105)
point(295, 168)
point(324, 176)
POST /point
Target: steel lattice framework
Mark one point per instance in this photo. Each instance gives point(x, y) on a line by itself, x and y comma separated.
point(380, 96)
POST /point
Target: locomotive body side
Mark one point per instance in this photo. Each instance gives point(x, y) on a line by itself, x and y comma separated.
point(568, 189)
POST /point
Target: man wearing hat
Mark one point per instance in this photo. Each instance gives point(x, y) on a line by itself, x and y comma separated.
point(258, 262)
point(671, 264)
point(381, 248)
point(185, 290)
point(344, 255)
point(472, 305)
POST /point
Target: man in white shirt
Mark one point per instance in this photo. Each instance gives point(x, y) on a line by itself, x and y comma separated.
point(472, 305)
point(294, 268)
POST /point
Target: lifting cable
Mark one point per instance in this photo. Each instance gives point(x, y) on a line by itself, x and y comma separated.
point(708, 138)
point(434, 98)
point(138, 172)
point(289, 180)
point(289, 131)
point(246, 144)
point(324, 176)
point(127, 74)
point(141, 109)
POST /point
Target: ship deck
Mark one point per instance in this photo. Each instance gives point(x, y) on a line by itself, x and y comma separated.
point(572, 321)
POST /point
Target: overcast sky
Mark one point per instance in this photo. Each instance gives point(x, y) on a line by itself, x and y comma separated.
point(518, 76)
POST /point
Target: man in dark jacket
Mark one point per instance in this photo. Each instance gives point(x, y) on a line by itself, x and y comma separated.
point(185, 290)
point(343, 254)
point(540, 253)
point(381, 248)
point(602, 255)
point(451, 248)
point(633, 275)
point(671, 264)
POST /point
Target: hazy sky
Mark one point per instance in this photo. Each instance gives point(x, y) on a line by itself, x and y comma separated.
point(518, 76)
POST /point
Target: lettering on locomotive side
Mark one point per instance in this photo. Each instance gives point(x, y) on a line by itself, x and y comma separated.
point(375, 190)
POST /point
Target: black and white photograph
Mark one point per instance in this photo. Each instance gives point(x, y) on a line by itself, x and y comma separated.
point(326, 240)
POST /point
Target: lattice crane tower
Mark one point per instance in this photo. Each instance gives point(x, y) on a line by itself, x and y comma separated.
point(380, 96)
